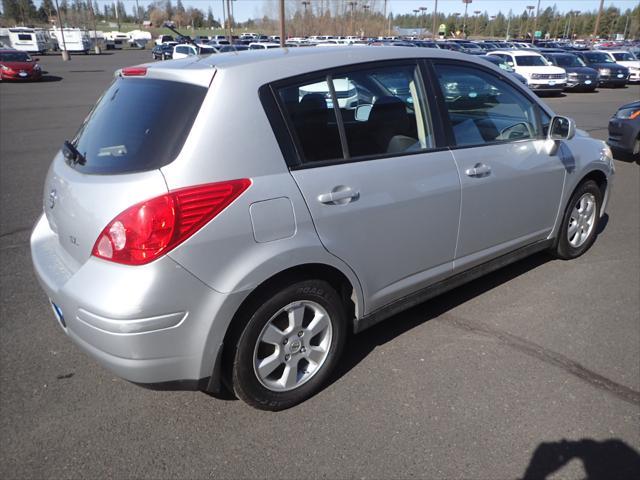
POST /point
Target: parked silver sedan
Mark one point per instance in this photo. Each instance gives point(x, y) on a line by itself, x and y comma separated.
point(182, 252)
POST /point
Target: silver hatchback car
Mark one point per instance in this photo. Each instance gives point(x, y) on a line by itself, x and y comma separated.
point(228, 220)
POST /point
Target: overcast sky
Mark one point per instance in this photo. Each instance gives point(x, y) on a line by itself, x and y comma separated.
point(245, 9)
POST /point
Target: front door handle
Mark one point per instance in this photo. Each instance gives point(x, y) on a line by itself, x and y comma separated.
point(340, 195)
point(479, 170)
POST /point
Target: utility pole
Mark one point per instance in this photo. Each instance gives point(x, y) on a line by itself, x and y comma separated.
point(595, 29)
point(282, 30)
point(65, 53)
point(535, 24)
point(435, 19)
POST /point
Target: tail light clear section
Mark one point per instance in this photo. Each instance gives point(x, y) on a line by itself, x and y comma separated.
point(150, 229)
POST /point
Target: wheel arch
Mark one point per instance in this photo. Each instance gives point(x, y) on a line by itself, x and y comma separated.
point(348, 288)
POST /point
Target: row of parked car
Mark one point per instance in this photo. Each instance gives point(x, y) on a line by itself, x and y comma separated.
point(546, 67)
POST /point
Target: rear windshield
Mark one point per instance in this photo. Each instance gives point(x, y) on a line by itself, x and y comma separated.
point(137, 125)
point(531, 61)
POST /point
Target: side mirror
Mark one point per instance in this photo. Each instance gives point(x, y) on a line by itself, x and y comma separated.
point(561, 128)
point(363, 112)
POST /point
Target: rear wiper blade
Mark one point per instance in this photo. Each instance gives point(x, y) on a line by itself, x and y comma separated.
point(72, 154)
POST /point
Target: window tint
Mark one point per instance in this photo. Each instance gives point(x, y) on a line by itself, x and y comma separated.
point(624, 57)
point(138, 125)
point(381, 110)
point(569, 61)
point(531, 61)
point(485, 109)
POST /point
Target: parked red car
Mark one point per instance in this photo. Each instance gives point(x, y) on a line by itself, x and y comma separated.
point(16, 65)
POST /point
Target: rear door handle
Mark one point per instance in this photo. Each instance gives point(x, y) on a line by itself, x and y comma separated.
point(479, 170)
point(340, 195)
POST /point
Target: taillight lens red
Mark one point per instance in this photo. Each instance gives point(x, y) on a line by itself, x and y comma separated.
point(134, 71)
point(152, 228)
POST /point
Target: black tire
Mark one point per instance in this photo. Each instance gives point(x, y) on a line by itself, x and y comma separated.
point(563, 248)
point(244, 380)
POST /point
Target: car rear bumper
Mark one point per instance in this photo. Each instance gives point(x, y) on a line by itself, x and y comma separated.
point(149, 324)
point(622, 134)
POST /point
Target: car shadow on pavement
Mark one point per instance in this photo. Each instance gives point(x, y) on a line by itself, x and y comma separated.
point(609, 459)
point(361, 345)
point(50, 78)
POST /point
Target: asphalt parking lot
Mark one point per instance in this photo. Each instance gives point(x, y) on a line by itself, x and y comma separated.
point(531, 370)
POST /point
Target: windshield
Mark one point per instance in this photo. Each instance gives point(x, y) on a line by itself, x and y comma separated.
point(624, 57)
point(14, 57)
point(597, 57)
point(531, 61)
point(138, 125)
point(569, 61)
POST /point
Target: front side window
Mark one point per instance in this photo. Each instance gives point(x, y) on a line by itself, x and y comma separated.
point(485, 109)
point(381, 111)
point(24, 36)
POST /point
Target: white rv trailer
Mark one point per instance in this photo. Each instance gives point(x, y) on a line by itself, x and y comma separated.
point(28, 40)
point(75, 39)
point(116, 40)
point(139, 38)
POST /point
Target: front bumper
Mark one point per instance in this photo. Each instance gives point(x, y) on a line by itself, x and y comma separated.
point(623, 133)
point(612, 80)
point(16, 76)
point(581, 84)
point(149, 324)
point(546, 86)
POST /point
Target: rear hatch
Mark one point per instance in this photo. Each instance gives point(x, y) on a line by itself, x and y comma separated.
point(139, 125)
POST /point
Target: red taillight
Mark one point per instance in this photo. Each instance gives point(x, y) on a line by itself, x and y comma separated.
point(134, 71)
point(152, 228)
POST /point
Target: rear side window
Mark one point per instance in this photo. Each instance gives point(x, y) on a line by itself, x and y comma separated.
point(24, 36)
point(365, 112)
point(138, 125)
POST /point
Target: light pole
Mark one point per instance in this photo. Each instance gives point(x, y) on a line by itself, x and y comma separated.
point(456, 15)
point(530, 8)
point(506, 37)
point(282, 30)
point(575, 14)
point(475, 28)
point(492, 18)
point(464, 23)
point(352, 5)
point(535, 24)
point(306, 3)
point(424, 19)
point(434, 19)
point(365, 8)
